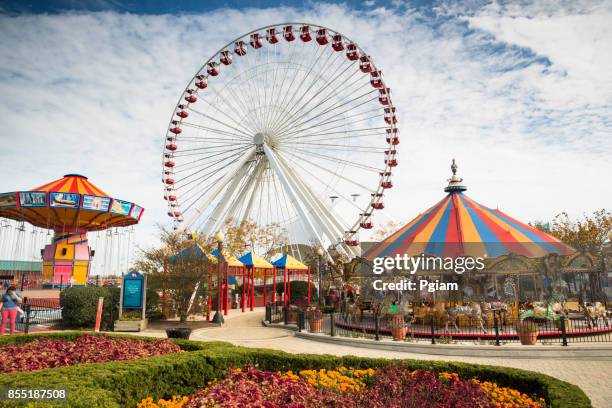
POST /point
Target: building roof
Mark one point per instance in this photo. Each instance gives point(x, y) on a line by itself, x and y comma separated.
point(20, 266)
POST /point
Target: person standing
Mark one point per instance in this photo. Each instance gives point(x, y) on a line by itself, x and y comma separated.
point(9, 307)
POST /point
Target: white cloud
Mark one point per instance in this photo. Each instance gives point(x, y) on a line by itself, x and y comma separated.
point(92, 93)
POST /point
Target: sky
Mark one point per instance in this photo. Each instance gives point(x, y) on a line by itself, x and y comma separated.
point(519, 93)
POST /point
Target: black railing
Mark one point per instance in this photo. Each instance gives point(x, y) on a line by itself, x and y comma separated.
point(498, 329)
point(39, 314)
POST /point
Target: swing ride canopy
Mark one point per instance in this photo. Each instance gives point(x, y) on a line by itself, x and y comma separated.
point(458, 226)
point(288, 262)
point(251, 259)
point(69, 203)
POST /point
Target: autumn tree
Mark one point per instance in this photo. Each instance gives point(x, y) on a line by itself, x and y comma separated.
point(247, 235)
point(588, 233)
point(178, 267)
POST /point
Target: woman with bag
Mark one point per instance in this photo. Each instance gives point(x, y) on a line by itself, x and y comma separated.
point(9, 308)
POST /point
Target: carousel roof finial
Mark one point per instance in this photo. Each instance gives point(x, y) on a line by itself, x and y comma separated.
point(454, 183)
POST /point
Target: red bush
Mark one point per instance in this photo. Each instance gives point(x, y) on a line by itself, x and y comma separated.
point(47, 353)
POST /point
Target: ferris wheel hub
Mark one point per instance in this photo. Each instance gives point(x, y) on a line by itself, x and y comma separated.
point(260, 138)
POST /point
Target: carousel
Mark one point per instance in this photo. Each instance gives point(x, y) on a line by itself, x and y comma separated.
point(71, 207)
point(526, 272)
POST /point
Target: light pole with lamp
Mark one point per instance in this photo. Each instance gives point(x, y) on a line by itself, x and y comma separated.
point(319, 256)
point(218, 317)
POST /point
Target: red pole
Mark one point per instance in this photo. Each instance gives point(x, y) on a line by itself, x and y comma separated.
point(98, 314)
point(288, 286)
point(209, 294)
point(274, 284)
point(220, 283)
point(253, 293)
point(226, 282)
point(309, 286)
point(264, 286)
point(284, 286)
point(243, 288)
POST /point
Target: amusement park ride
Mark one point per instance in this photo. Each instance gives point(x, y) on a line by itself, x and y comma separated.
point(274, 124)
point(71, 206)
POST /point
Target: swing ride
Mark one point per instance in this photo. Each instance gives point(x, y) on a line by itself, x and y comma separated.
point(279, 121)
point(72, 207)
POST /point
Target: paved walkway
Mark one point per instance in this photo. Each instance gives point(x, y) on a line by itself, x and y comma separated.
point(593, 376)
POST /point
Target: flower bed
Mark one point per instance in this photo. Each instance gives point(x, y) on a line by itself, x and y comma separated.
point(117, 384)
point(391, 387)
point(49, 353)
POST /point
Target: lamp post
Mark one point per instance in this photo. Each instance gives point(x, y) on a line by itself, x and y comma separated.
point(218, 317)
point(319, 256)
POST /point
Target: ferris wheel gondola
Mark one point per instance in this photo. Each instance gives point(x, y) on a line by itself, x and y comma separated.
point(271, 125)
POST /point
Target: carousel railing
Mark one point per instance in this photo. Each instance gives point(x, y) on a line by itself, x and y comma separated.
point(497, 329)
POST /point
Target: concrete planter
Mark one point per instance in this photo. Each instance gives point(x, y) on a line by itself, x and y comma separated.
point(130, 325)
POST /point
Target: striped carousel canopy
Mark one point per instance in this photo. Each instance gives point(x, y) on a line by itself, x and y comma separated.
point(459, 226)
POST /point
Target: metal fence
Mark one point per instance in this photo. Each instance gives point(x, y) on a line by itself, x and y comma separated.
point(499, 329)
point(39, 314)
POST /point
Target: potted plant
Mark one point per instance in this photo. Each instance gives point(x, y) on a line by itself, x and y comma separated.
point(398, 327)
point(315, 319)
point(292, 311)
point(527, 332)
point(178, 333)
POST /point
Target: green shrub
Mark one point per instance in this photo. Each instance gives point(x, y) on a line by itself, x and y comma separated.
point(125, 383)
point(79, 305)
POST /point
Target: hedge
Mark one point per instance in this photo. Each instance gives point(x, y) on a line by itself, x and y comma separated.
point(125, 383)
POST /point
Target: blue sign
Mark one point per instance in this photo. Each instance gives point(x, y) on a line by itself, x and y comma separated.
point(133, 290)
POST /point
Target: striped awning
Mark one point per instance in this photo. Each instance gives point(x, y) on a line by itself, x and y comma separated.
point(289, 262)
point(459, 226)
point(251, 259)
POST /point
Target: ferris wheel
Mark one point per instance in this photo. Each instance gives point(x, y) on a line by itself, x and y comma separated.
point(290, 126)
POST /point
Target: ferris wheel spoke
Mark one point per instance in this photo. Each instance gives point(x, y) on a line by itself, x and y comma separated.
point(290, 130)
point(277, 118)
point(216, 131)
point(343, 134)
point(202, 164)
point(205, 201)
point(330, 65)
point(323, 85)
point(341, 161)
point(216, 108)
point(244, 134)
point(304, 160)
point(327, 220)
point(297, 135)
point(212, 149)
point(339, 147)
point(310, 218)
point(221, 100)
point(340, 117)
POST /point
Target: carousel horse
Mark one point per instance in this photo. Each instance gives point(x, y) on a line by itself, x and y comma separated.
point(593, 313)
point(472, 310)
point(499, 307)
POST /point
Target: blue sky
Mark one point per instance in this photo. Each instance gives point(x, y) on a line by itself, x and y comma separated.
point(520, 93)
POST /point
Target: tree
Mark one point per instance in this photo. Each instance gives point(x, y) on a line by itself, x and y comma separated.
point(178, 267)
point(588, 233)
point(245, 235)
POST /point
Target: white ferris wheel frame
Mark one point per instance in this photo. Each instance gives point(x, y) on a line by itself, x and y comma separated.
point(320, 222)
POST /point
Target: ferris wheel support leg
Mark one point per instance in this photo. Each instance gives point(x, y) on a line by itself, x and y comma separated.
point(292, 194)
point(220, 186)
point(328, 219)
point(217, 218)
point(324, 218)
